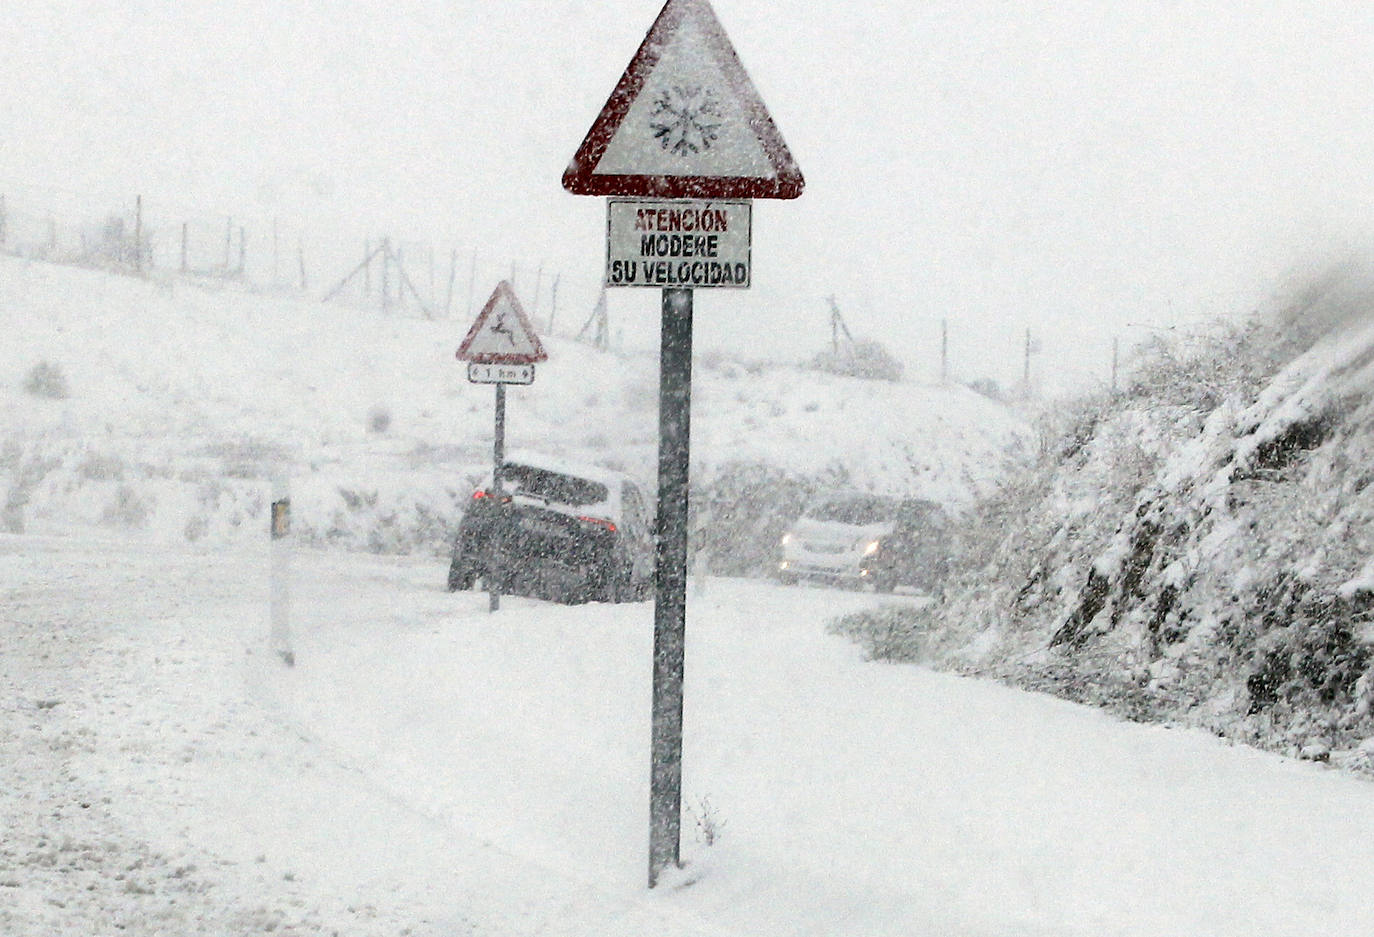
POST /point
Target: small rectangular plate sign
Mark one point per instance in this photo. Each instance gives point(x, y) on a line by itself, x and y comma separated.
point(678, 244)
point(500, 373)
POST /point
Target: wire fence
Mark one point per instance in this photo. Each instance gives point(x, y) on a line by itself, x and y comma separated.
point(404, 276)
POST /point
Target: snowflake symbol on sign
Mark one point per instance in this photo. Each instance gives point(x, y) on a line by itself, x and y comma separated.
point(686, 119)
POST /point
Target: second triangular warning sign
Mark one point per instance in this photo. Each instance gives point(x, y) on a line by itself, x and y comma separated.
point(685, 121)
point(502, 334)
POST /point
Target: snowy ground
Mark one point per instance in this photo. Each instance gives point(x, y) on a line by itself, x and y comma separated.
point(428, 768)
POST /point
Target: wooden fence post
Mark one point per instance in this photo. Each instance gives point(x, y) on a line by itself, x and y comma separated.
point(138, 235)
point(452, 270)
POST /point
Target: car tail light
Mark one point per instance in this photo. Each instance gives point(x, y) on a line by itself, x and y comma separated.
point(599, 521)
point(478, 495)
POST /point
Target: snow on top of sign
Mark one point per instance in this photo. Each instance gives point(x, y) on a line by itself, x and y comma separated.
point(502, 333)
point(688, 120)
point(685, 121)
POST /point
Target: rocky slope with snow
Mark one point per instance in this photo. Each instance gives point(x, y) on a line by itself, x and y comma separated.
point(1196, 548)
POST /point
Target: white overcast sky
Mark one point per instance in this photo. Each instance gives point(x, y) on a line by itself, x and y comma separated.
point(1076, 168)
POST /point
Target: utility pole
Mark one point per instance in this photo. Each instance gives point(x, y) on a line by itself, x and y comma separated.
point(1025, 375)
point(472, 282)
point(944, 351)
point(138, 234)
point(1116, 354)
point(386, 275)
point(2, 222)
point(553, 303)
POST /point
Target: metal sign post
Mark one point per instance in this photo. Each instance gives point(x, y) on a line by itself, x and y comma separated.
point(670, 598)
point(687, 139)
point(498, 459)
point(501, 348)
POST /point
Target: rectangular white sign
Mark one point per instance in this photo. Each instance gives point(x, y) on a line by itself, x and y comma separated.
point(501, 373)
point(679, 244)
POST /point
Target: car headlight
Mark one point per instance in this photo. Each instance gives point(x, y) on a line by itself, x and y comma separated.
point(786, 539)
point(871, 547)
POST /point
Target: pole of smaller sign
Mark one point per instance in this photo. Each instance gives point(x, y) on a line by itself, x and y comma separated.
point(670, 604)
point(498, 459)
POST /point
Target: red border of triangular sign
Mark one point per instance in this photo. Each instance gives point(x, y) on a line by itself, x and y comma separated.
point(581, 177)
point(502, 289)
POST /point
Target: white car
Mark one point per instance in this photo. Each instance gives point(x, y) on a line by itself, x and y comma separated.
point(855, 539)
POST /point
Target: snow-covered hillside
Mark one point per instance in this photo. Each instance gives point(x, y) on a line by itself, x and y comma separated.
point(181, 401)
point(1197, 548)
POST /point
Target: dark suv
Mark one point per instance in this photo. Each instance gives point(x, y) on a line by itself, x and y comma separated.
point(557, 531)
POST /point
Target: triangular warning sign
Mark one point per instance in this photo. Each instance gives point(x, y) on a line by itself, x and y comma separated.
point(502, 334)
point(685, 121)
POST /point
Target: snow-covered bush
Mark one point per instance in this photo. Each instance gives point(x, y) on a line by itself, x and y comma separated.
point(865, 358)
point(379, 419)
point(46, 379)
point(741, 513)
point(892, 632)
point(707, 819)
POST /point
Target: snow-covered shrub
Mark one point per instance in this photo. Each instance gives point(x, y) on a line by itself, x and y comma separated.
point(707, 819)
point(741, 513)
point(128, 509)
point(46, 379)
point(865, 358)
point(988, 388)
point(890, 632)
point(390, 516)
point(379, 419)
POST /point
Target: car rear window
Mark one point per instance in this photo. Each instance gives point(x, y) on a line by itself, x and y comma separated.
point(857, 509)
point(552, 486)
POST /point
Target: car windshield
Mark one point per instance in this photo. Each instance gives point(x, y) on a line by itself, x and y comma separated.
point(552, 486)
point(852, 509)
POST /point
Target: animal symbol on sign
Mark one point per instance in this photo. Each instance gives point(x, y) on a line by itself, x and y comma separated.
point(502, 328)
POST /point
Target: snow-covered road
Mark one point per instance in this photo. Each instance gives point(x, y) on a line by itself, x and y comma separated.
point(433, 769)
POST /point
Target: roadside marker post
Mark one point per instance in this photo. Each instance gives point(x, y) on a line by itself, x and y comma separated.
point(280, 532)
point(501, 348)
point(681, 146)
